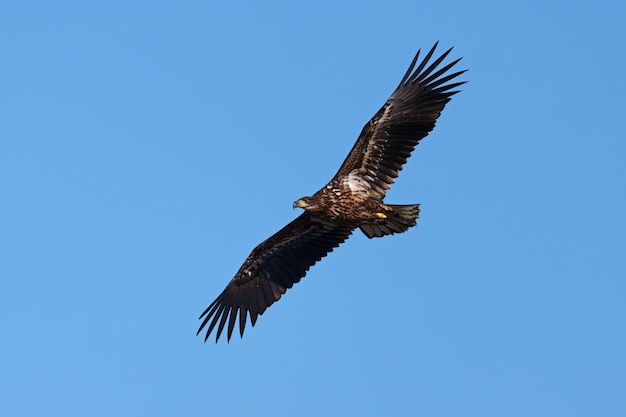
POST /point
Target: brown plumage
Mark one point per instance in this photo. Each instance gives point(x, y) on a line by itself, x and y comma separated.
point(353, 198)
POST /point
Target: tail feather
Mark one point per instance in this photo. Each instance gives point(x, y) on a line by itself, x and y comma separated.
point(399, 220)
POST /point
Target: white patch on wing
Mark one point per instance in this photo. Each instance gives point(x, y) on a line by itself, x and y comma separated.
point(357, 184)
point(386, 114)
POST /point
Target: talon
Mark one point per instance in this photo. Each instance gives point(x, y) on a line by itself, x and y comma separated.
point(381, 215)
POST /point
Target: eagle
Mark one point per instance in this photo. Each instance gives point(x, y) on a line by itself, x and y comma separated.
point(352, 199)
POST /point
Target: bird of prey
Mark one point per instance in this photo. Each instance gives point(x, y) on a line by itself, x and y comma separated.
point(352, 199)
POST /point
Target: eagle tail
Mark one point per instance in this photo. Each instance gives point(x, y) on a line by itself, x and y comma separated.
point(399, 220)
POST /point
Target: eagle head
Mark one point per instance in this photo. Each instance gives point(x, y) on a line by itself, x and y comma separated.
point(306, 203)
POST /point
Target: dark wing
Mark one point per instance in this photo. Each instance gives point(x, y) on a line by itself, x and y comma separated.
point(272, 267)
point(387, 140)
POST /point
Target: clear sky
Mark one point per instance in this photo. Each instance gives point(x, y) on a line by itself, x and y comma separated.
point(146, 148)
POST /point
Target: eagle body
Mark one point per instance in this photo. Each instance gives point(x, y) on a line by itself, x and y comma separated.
point(352, 199)
point(349, 200)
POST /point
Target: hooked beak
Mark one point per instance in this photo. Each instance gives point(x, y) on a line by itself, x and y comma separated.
point(300, 204)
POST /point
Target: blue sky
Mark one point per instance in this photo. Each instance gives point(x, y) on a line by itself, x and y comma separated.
point(147, 147)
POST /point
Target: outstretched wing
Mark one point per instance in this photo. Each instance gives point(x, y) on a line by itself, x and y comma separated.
point(272, 267)
point(387, 140)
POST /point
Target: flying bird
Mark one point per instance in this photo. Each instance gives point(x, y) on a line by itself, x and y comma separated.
point(352, 199)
